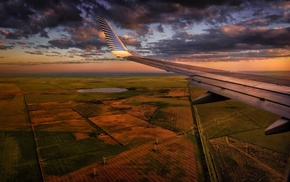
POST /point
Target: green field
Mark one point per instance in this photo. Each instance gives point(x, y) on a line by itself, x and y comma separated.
point(241, 121)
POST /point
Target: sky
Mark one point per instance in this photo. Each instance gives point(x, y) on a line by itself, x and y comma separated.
point(224, 34)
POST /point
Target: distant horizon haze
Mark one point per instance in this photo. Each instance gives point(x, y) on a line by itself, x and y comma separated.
point(132, 67)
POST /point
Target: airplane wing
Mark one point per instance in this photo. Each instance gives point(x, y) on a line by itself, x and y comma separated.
point(266, 93)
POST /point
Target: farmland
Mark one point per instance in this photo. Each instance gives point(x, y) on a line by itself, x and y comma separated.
point(238, 146)
point(51, 132)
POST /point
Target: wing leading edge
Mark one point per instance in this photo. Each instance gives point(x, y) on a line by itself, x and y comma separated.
point(221, 85)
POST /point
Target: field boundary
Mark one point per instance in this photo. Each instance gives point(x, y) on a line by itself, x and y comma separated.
point(27, 117)
point(205, 151)
point(97, 127)
point(208, 157)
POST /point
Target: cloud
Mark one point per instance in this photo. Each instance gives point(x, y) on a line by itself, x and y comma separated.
point(45, 52)
point(227, 39)
point(85, 54)
point(73, 51)
point(85, 33)
point(4, 32)
point(60, 13)
point(235, 56)
point(62, 43)
point(184, 36)
point(53, 54)
point(136, 13)
point(130, 41)
point(43, 34)
point(35, 52)
point(233, 30)
point(92, 43)
point(160, 29)
point(31, 17)
point(21, 42)
point(5, 47)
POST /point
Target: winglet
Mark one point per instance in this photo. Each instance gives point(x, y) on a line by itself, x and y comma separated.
point(115, 44)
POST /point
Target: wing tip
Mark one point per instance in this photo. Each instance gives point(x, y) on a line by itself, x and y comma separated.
point(115, 44)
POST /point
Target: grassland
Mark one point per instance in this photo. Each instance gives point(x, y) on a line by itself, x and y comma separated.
point(50, 132)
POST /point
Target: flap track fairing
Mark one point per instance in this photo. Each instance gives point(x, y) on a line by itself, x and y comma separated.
point(209, 97)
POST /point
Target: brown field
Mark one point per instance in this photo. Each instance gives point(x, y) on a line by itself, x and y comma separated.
point(57, 117)
point(172, 161)
point(123, 124)
point(127, 129)
point(9, 87)
point(178, 115)
point(12, 117)
point(144, 111)
point(178, 92)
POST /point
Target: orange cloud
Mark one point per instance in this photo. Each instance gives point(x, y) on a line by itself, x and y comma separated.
point(127, 40)
point(4, 32)
point(233, 30)
point(84, 33)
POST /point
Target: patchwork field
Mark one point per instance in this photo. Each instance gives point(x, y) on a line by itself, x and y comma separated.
point(50, 132)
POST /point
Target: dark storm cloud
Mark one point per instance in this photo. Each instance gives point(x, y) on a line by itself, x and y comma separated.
point(29, 17)
point(80, 29)
point(14, 13)
point(137, 12)
point(34, 16)
point(201, 4)
point(138, 15)
point(90, 44)
point(229, 38)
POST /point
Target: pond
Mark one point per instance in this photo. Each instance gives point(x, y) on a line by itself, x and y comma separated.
point(103, 90)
